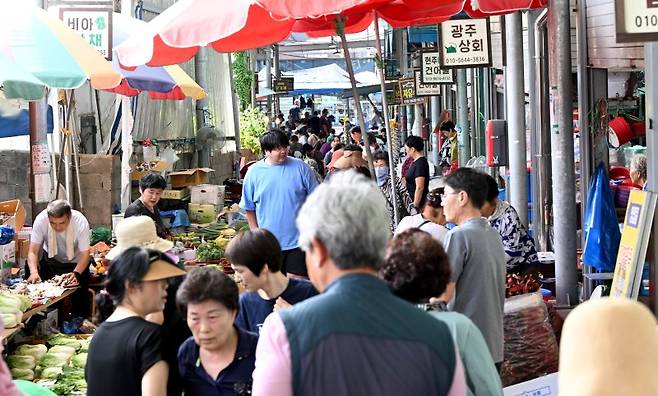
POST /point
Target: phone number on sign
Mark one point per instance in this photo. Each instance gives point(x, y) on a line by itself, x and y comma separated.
point(466, 59)
point(646, 21)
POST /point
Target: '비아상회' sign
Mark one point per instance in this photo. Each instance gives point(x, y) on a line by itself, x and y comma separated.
point(94, 24)
point(465, 43)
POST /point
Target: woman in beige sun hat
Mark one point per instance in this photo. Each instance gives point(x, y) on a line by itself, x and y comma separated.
point(609, 347)
point(137, 231)
point(140, 231)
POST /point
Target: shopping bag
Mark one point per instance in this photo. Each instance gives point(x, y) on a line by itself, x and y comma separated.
point(600, 226)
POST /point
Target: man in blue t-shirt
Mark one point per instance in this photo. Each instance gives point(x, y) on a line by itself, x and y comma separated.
point(273, 191)
point(256, 257)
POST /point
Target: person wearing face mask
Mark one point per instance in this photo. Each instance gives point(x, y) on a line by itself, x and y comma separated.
point(404, 203)
point(220, 357)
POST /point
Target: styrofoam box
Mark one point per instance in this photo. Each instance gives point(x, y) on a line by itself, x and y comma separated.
point(208, 194)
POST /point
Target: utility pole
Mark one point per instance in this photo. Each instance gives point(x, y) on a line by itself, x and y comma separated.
point(463, 128)
point(515, 97)
point(564, 190)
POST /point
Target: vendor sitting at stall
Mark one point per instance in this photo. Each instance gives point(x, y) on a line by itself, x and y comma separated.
point(151, 187)
point(60, 246)
point(638, 170)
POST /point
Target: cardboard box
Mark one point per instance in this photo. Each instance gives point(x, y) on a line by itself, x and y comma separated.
point(202, 214)
point(176, 194)
point(542, 386)
point(189, 177)
point(16, 213)
point(8, 255)
point(208, 194)
point(142, 169)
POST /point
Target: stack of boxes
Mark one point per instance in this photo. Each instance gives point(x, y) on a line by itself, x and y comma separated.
point(206, 200)
point(14, 216)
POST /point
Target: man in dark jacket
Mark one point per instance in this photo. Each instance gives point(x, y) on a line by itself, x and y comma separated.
point(356, 337)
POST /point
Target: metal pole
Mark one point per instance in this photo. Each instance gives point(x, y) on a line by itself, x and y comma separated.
point(200, 74)
point(277, 74)
point(268, 82)
point(516, 116)
point(584, 105)
point(529, 61)
point(435, 107)
point(542, 150)
point(463, 128)
point(391, 157)
point(475, 128)
point(38, 111)
point(253, 53)
point(586, 166)
point(651, 109)
point(405, 111)
point(357, 103)
point(564, 190)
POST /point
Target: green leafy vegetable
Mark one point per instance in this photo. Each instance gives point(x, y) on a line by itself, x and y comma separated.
point(21, 361)
point(22, 373)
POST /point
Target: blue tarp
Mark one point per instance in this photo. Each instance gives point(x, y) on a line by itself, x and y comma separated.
point(18, 124)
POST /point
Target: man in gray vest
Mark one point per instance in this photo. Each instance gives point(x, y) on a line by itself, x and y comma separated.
point(356, 338)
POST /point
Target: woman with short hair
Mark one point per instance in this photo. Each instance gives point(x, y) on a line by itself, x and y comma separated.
point(219, 357)
point(417, 268)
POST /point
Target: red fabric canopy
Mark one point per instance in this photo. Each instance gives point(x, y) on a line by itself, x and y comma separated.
point(175, 35)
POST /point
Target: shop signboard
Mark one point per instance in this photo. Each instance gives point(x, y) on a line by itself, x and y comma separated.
point(394, 97)
point(425, 89)
point(391, 69)
point(283, 84)
point(636, 20)
point(94, 24)
point(633, 244)
point(431, 71)
point(408, 92)
point(465, 43)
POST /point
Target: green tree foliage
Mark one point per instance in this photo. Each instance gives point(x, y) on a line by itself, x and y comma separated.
point(253, 123)
point(243, 78)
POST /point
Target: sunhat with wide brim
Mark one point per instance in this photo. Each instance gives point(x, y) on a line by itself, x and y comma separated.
point(137, 231)
point(161, 269)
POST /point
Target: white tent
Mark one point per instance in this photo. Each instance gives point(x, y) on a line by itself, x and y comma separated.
point(319, 80)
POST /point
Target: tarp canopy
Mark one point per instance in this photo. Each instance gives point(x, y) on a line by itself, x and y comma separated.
point(323, 80)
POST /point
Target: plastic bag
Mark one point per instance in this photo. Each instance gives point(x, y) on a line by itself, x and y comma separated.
point(531, 349)
point(600, 226)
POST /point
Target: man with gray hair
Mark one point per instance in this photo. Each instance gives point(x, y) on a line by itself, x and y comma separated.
point(59, 245)
point(356, 337)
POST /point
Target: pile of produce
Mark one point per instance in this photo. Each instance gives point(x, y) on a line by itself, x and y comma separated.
point(209, 251)
point(517, 284)
point(531, 349)
point(189, 240)
point(60, 367)
point(12, 307)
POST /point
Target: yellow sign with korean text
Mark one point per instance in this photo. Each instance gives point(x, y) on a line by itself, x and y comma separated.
point(633, 244)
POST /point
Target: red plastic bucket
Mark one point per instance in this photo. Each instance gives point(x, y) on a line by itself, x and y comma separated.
point(619, 131)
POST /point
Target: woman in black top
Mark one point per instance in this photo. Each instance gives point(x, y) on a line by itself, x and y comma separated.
point(418, 175)
point(151, 187)
point(125, 355)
